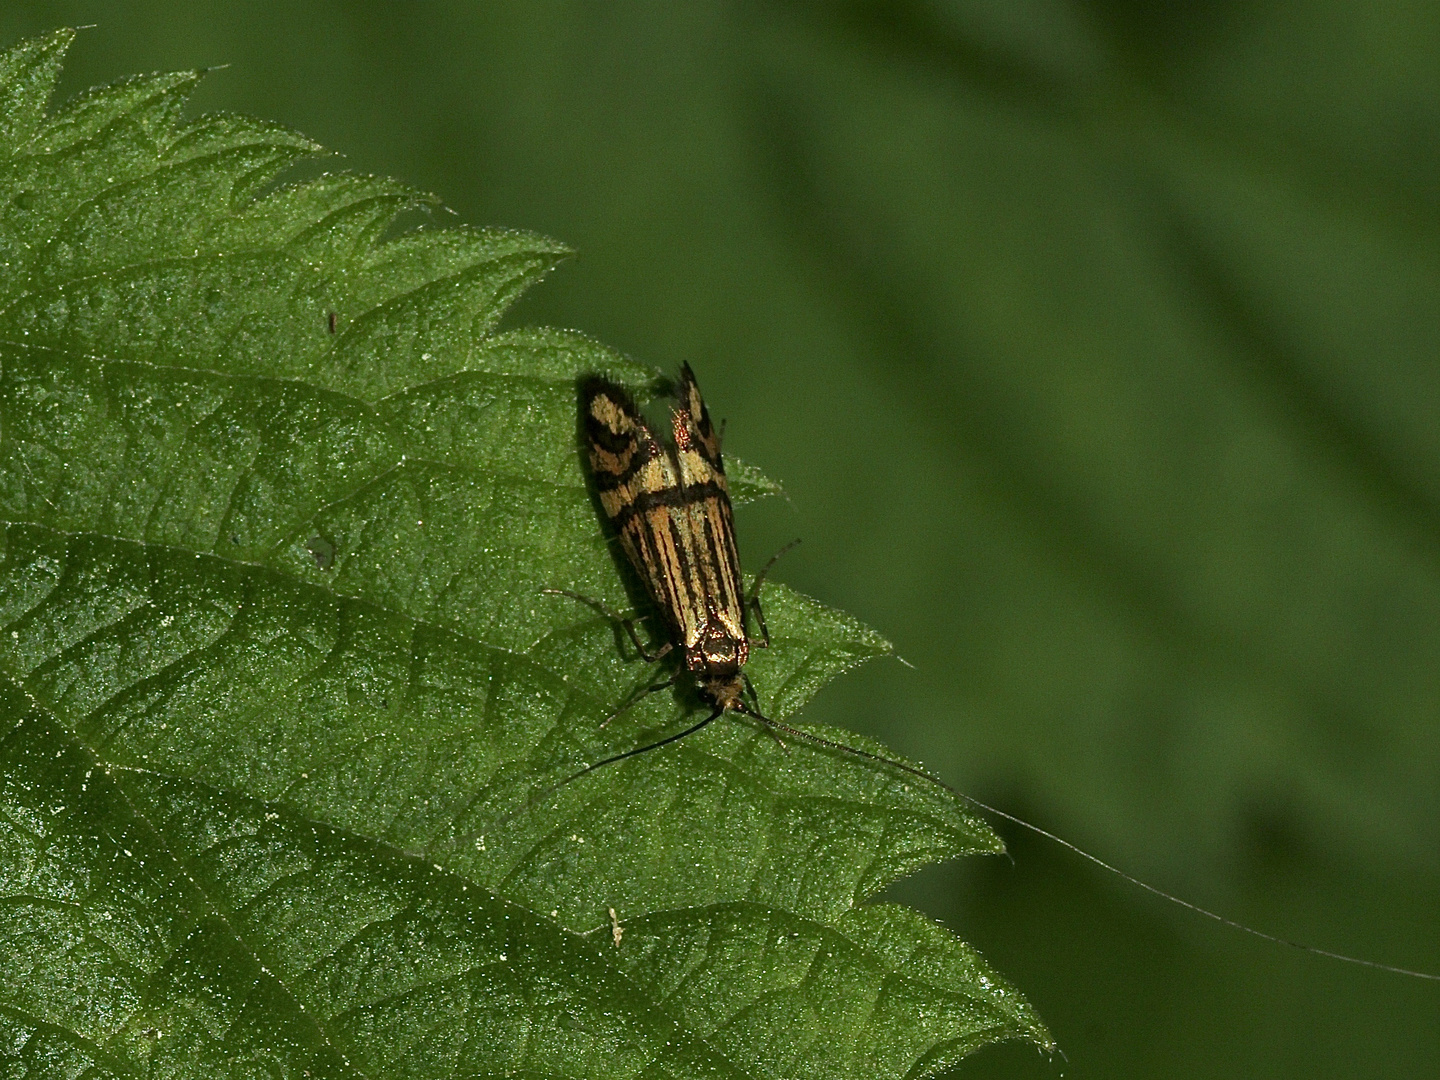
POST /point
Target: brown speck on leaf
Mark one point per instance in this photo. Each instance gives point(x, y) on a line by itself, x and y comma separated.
point(322, 551)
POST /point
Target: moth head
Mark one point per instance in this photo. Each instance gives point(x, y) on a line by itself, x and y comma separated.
point(727, 693)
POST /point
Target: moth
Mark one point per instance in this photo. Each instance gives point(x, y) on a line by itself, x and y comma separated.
point(670, 506)
point(668, 503)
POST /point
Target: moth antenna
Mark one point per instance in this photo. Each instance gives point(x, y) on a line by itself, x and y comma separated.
point(1094, 859)
point(541, 796)
point(611, 760)
point(831, 744)
point(656, 745)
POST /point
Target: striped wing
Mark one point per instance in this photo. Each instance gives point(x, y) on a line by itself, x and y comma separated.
point(711, 519)
point(669, 506)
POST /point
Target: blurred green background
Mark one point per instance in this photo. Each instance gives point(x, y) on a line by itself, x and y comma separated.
point(1096, 343)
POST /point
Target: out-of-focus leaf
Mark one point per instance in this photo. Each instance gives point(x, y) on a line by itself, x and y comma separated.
point(1174, 343)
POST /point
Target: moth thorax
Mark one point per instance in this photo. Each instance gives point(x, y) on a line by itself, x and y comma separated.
point(717, 655)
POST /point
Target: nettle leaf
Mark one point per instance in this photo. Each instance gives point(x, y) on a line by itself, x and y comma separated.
point(284, 710)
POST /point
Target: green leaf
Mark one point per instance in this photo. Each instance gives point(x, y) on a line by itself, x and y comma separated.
point(286, 711)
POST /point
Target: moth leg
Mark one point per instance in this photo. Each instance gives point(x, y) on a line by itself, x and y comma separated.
point(628, 624)
point(755, 698)
point(752, 602)
point(636, 698)
point(750, 689)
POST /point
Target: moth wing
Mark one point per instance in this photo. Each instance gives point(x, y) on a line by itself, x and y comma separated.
point(620, 444)
point(638, 482)
point(697, 443)
point(710, 521)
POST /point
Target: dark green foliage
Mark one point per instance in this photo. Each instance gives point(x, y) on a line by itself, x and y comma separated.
point(283, 703)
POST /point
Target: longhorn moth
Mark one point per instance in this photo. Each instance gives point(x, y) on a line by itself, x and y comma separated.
point(669, 504)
